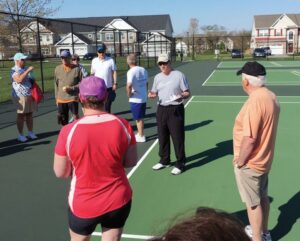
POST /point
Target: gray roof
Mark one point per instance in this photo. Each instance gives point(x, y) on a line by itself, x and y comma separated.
point(266, 21)
point(143, 23)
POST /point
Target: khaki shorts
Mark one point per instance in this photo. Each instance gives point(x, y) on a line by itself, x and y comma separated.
point(252, 185)
point(25, 104)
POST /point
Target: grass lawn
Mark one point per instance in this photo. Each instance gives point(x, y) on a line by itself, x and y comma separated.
point(48, 67)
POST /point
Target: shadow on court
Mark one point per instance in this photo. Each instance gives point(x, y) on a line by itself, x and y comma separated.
point(223, 148)
point(13, 146)
point(242, 215)
point(289, 214)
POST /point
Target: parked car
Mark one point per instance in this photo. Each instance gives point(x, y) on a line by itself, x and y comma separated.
point(259, 52)
point(89, 56)
point(237, 53)
point(35, 57)
point(267, 50)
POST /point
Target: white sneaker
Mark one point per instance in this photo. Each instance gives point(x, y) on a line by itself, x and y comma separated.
point(159, 166)
point(266, 237)
point(22, 138)
point(139, 138)
point(31, 135)
point(248, 230)
point(176, 171)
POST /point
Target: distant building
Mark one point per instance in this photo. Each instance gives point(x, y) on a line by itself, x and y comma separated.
point(148, 35)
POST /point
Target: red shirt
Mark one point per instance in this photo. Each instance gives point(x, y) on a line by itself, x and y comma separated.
point(96, 146)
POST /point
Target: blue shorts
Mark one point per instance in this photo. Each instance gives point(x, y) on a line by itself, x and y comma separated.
point(138, 110)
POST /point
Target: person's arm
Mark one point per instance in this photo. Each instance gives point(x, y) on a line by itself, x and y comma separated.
point(130, 159)
point(247, 146)
point(20, 77)
point(62, 166)
point(115, 83)
point(129, 89)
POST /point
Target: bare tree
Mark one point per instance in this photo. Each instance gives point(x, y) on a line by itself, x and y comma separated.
point(18, 9)
point(193, 29)
point(214, 33)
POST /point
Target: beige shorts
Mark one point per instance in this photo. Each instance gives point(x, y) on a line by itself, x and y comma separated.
point(252, 185)
point(25, 104)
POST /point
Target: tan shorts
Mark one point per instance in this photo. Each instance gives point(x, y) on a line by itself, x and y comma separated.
point(25, 104)
point(252, 185)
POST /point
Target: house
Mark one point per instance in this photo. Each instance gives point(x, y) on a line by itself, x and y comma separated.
point(280, 32)
point(148, 35)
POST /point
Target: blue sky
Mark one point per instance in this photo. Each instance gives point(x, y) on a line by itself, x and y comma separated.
point(232, 14)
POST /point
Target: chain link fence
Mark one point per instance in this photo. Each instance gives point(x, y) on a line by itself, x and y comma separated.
point(43, 40)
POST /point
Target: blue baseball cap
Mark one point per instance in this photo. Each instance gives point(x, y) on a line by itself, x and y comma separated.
point(101, 48)
point(19, 56)
point(65, 54)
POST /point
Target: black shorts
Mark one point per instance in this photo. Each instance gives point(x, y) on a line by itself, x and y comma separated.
point(113, 219)
point(63, 111)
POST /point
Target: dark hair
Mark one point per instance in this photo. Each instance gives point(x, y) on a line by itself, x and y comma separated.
point(91, 102)
point(206, 224)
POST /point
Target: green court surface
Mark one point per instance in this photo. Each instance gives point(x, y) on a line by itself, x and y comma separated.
point(34, 202)
point(159, 197)
point(278, 73)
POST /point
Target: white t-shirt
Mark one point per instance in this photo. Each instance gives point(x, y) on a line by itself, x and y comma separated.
point(104, 68)
point(137, 77)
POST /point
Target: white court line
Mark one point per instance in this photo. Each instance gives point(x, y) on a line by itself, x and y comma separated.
point(237, 84)
point(143, 237)
point(239, 102)
point(275, 63)
point(208, 77)
point(132, 236)
point(296, 73)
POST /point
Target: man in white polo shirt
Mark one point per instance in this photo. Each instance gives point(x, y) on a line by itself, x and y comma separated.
point(105, 68)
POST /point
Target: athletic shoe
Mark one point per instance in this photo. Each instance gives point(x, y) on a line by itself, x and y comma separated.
point(139, 138)
point(159, 166)
point(176, 171)
point(71, 119)
point(22, 138)
point(266, 237)
point(248, 230)
point(31, 135)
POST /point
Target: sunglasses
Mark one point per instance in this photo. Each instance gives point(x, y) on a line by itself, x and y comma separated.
point(163, 63)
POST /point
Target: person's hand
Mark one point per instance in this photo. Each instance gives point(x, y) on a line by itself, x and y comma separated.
point(237, 163)
point(152, 95)
point(30, 68)
point(114, 87)
point(67, 88)
point(185, 94)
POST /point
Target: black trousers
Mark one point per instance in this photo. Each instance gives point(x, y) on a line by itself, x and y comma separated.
point(111, 98)
point(170, 123)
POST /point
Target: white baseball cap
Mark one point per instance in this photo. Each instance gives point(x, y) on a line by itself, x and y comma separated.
point(163, 58)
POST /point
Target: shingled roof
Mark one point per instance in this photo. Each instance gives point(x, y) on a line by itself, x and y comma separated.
point(144, 23)
point(266, 21)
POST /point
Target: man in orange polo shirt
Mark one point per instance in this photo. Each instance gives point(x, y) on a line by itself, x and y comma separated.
point(67, 77)
point(254, 135)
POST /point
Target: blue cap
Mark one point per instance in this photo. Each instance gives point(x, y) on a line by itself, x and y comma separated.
point(65, 54)
point(19, 56)
point(101, 48)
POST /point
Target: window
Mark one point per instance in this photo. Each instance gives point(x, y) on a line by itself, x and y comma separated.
point(123, 35)
point(45, 51)
point(291, 35)
point(277, 32)
point(263, 32)
point(109, 37)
